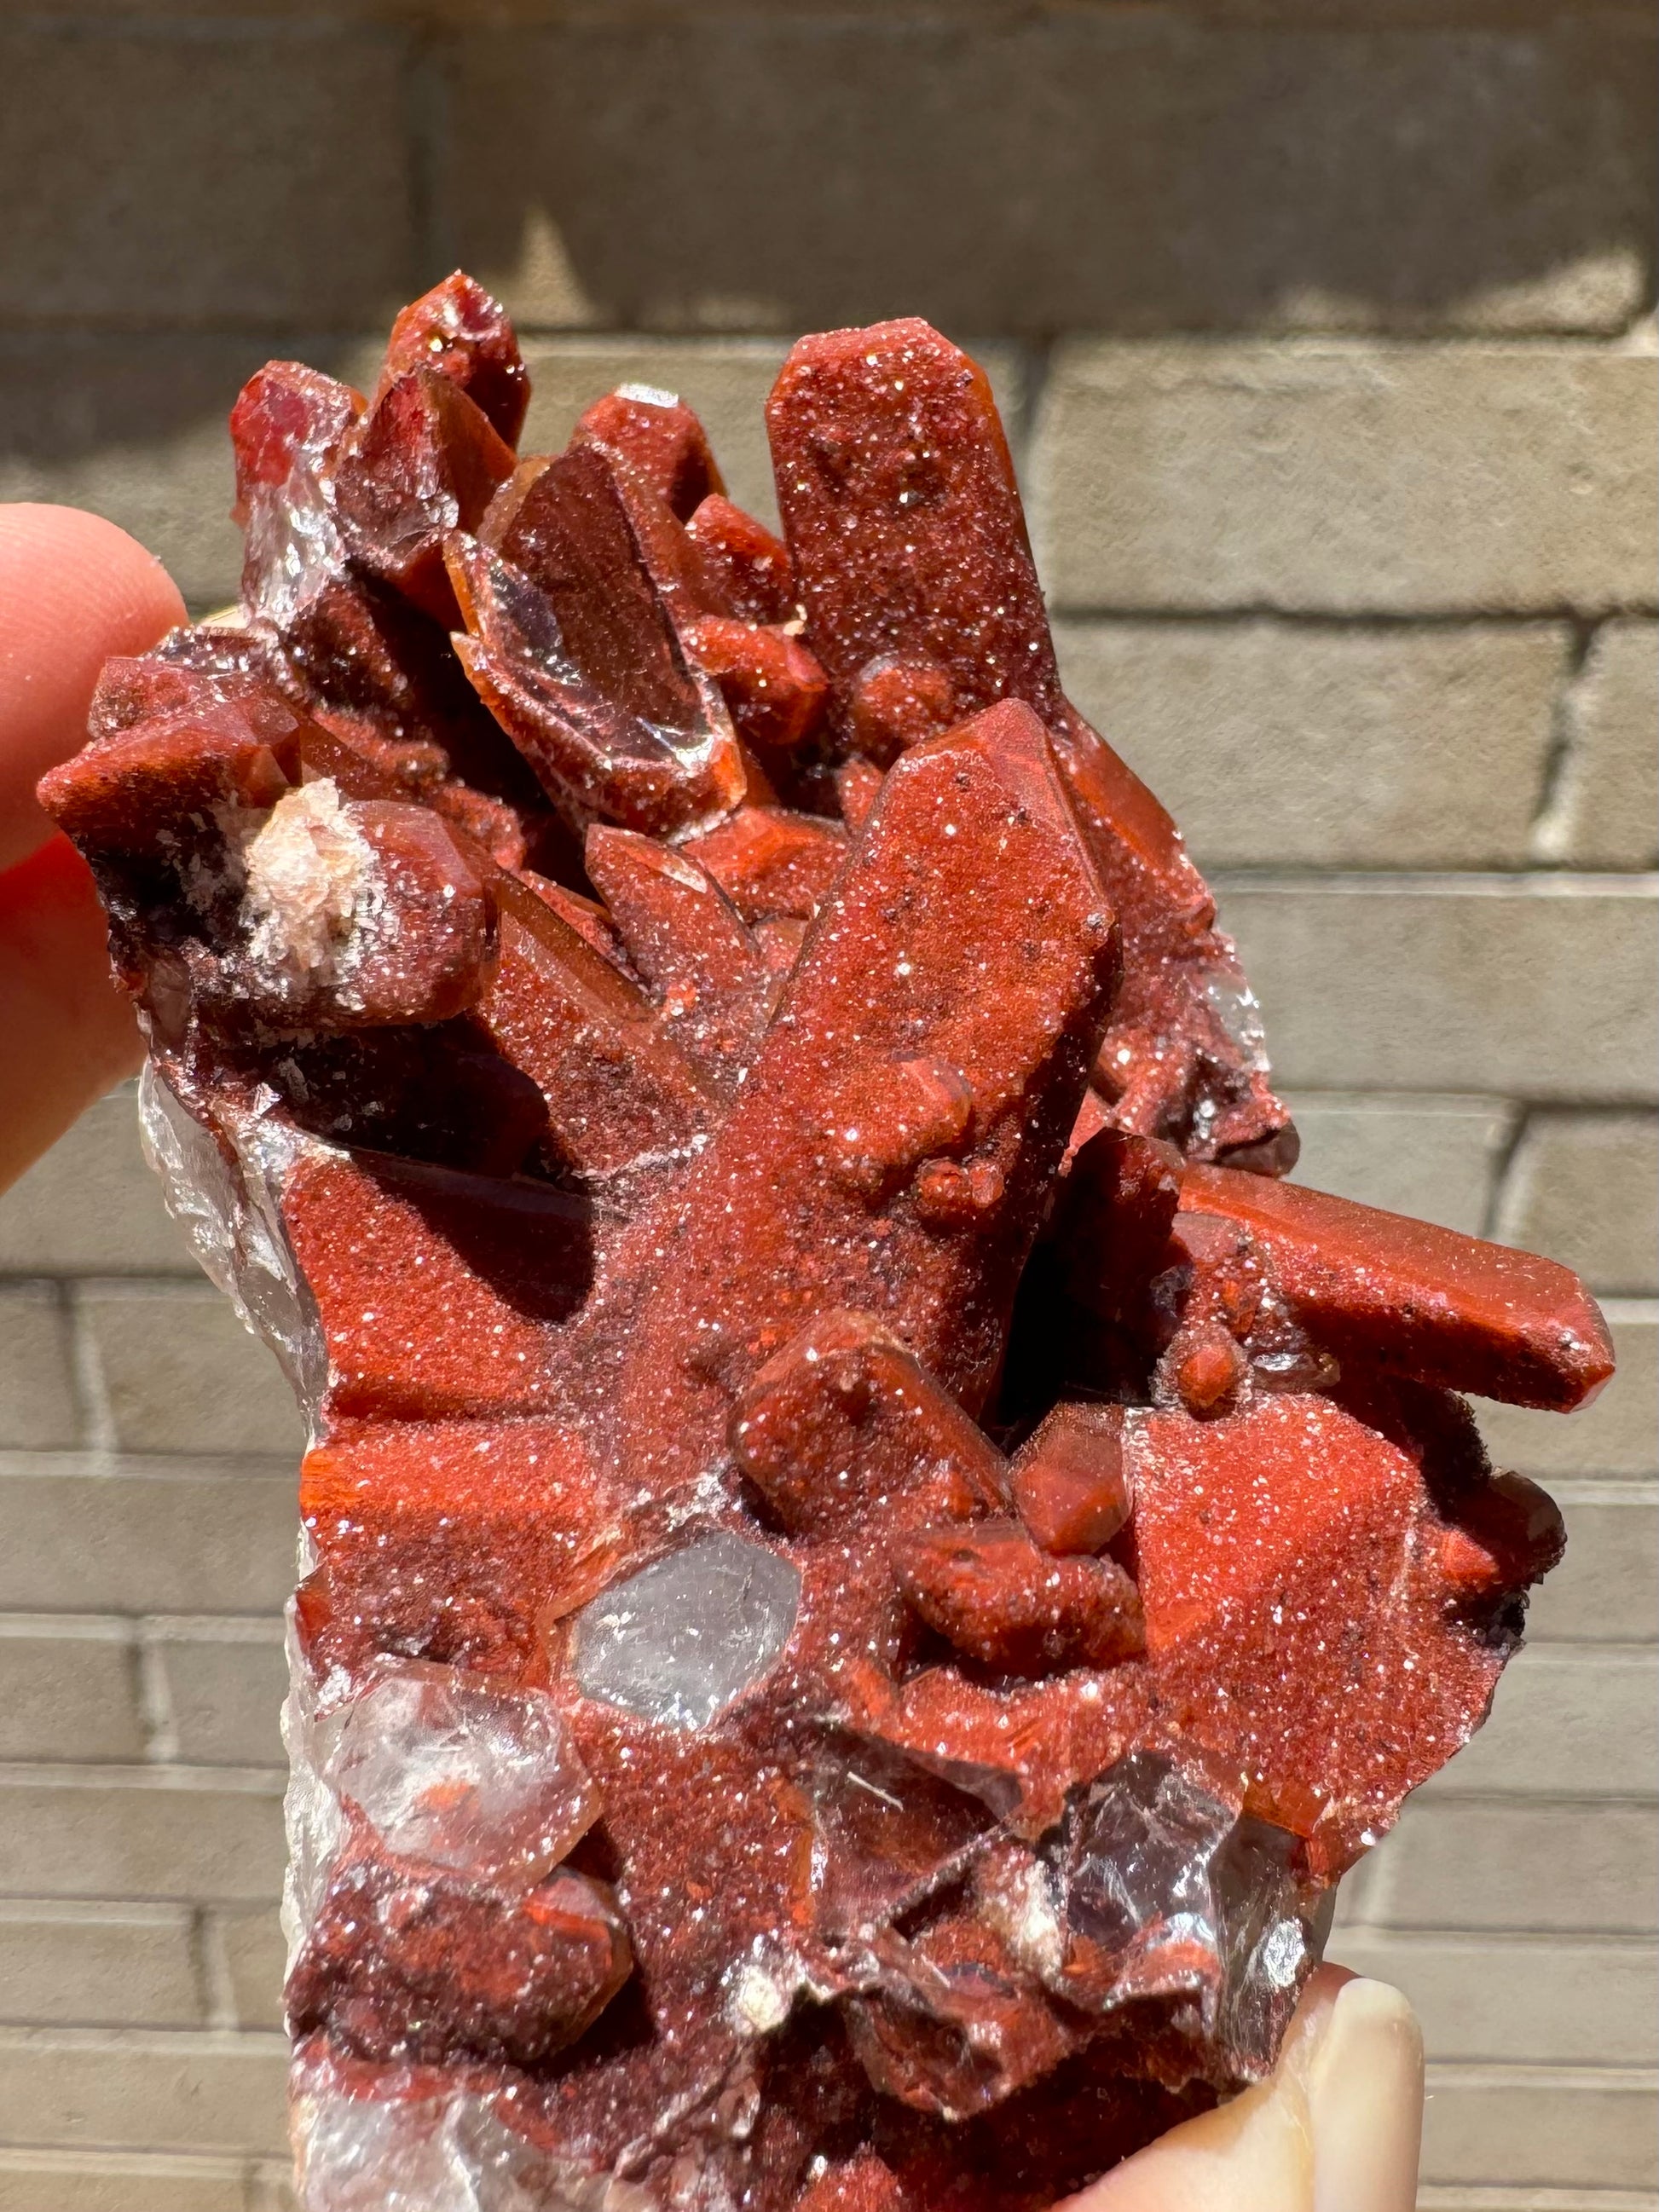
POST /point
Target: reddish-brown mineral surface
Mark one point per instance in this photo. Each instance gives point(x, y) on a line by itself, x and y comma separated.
point(867, 1567)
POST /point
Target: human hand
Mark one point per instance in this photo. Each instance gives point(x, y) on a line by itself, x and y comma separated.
point(73, 590)
point(1336, 2130)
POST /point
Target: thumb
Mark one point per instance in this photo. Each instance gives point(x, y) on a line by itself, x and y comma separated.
point(1337, 2129)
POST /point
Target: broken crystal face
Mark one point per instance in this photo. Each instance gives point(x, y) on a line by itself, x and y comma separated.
point(680, 1640)
point(445, 1768)
point(312, 1814)
point(1137, 1866)
point(231, 1217)
point(431, 2155)
point(1176, 1891)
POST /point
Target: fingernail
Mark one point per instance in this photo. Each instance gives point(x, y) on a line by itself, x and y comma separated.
point(1364, 2094)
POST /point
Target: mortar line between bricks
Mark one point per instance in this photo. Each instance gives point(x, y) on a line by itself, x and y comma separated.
point(91, 1385)
point(1321, 620)
point(1546, 829)
point(212, 1963)
point(1453, 15)
point(1644, 2079)
point(1531, 1939)
point(157, 28)
point(1502, 1169)
point(1504, 2196)
point(1614, 341)
point(990, 15)
point(1035, 356)
point(1634, 884)
point(1185, 615)
point(156, 1714)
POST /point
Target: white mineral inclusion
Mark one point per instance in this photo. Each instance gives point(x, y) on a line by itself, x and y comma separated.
point(311, 876)
point(681, 1638)
point(760, 1999)
point(1282, 1952)
point(449, 1769)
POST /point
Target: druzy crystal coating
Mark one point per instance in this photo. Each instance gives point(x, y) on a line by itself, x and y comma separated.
point(867, 1566)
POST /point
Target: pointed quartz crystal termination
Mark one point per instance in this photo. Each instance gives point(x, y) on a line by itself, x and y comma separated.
point(865, 1569)
point(922, 602)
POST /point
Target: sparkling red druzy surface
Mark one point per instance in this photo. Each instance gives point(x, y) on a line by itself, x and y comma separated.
point(867, 1564)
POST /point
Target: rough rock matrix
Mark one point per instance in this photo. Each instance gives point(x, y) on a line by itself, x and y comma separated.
point(866, 1566)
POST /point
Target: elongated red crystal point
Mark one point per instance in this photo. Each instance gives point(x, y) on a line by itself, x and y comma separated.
point(867, 1567)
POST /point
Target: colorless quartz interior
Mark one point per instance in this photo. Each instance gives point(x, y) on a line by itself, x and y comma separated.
point(681, 1639)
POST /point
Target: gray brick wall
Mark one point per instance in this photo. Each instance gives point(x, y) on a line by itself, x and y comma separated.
point(1322, 330)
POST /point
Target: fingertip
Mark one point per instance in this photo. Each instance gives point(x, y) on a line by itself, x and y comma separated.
point(1365, 2101)
point(69, 1032)
point(74, 590)
point(117, 582)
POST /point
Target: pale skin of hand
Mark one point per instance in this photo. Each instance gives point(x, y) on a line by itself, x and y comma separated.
point(73, 590)
point(1337, 2129)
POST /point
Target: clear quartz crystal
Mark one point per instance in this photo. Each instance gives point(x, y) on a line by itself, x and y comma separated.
point(681, 1638)
point(230, 1214)
point(1238, 1010)
point(432, 2154)
point(311, 1811)
point(1183, 1893)
point(484, 1781)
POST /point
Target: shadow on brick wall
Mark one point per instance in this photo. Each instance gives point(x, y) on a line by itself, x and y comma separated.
point(1126, 172)
point(288, 174)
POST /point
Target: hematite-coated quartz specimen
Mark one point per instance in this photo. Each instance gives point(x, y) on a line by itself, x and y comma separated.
point(867, 1567)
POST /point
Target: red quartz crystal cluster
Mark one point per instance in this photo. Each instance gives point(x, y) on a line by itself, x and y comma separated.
point(866, 1566)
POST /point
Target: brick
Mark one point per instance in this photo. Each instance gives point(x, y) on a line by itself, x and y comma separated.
point(37, 1382)
point(1564, 1723)
point(119, 2181)
point(137, 1537)
point(1546, 1867)
point(1251, 733)
point(1607, 1588)
point(150, 2089)
point(255, 1953)
point(1614, 1435)
point(94, 1966)
point(1584, 1188)
point(221, 177)
point(1064, 169)
point(91, 1206)
point(225, 1684)
point(1606, 801)
point(1559, 2127)
point(1346, 477)
point(1429, 1156)
point(67, 1689)
point(1538, 987)
point(181, 1373)
point(1531, 2000)
point(153, 1832)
